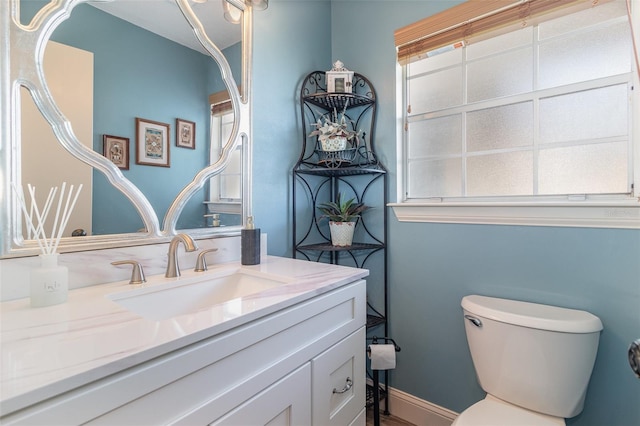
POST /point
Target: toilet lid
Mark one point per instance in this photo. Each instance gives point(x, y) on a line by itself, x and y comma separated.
point(494, 412)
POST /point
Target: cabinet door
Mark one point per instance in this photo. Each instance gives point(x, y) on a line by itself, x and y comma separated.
point(361, 420)
point(338, 381)
point(285, 403)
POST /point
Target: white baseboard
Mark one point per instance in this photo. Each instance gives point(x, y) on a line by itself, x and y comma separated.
point(417, 411)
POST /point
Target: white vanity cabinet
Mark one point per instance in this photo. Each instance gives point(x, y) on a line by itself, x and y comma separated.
point(279, 369)
point(329, 390)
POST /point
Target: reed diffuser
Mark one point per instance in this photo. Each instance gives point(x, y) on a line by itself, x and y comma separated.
point(49, 283)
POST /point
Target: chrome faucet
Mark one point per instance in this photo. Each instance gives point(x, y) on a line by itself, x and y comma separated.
point(201, 262)
point(137, 274)
point(173, 270)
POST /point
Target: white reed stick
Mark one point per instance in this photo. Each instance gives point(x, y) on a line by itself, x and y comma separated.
point(66, 214)
point(40, 219)
point(28, 219)
point(29, 223)
point(36, 210)
point(36, 225)
point(40, 216)
point(55, 221)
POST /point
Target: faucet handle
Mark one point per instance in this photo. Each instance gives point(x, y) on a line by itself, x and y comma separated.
point(137, 274)
point(201, 263)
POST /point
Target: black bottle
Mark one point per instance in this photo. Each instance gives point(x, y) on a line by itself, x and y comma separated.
point(250, 244)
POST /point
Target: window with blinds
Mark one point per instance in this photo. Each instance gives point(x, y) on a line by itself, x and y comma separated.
point(542, 112)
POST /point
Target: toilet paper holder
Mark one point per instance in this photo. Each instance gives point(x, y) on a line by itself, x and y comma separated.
point(376, 380)
point(374, 341)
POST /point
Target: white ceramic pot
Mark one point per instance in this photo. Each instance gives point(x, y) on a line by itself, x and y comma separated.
point(335, 143)
point(342, 233)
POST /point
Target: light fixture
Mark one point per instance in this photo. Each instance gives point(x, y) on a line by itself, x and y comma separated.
point(258, 4)
point(233, 8)
point(232, 12)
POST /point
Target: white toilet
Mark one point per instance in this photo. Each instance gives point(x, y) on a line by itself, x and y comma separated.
point(534, 361)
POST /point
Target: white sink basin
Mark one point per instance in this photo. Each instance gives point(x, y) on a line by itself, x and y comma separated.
point(166, 298)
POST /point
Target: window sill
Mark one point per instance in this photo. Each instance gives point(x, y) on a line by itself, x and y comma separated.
point(624, 215)
point(224, 207)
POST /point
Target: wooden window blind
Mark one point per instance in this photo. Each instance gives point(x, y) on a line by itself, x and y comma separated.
point(220, 102)
point(474, 20)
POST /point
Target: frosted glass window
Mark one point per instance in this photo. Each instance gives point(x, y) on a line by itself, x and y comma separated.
point(435, 178)
point(230, 187)
point(597, 113)
point(500, 174)
point(585, 56)
point(519, 38)
point(435, 91)
point(583, 19)
point(443, 60)
point(226, 186)
point(235, 163)
point(542, 111)
point(584, 169)
point(438, 136)
point(501, 75)
point(507, 126)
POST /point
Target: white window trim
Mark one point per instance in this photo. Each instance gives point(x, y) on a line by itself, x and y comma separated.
point(617, 213)
point(578, 214)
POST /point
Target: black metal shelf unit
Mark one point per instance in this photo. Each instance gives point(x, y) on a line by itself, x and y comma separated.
point(320, 176)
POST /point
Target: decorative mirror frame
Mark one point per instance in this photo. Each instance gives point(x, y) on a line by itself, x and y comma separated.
point(21, 53)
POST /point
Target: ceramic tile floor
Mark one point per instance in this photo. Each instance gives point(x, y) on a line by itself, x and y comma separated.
point(386, 420)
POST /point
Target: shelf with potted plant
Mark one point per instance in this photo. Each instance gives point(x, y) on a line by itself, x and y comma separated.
point(330, 114)
point(343, 216)
point(350, 182)
point(338, 141)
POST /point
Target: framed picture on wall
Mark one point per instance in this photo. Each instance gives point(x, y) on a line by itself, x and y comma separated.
point(152, 143)
point(185, 133)
point(116, 149)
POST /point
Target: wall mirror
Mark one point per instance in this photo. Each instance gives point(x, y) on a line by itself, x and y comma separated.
point(151, 67)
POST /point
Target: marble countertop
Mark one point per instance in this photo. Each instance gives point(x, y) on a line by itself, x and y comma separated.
point(47, 351)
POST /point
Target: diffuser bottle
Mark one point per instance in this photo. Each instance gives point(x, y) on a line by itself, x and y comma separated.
point(250, 244)
point(49, 282)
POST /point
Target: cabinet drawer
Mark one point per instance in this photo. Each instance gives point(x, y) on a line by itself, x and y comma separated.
point(285, 403)
point(338, 380)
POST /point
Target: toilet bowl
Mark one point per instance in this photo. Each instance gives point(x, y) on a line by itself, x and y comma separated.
point(492, 411)
point(534, 361)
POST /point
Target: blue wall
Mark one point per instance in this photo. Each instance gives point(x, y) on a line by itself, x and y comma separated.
point(291, 38)
point(432, 266)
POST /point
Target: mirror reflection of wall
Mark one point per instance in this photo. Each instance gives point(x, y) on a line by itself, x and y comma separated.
point(140, 74)
point(47, 163)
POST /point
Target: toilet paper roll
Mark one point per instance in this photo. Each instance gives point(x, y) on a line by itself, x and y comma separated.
point(383, 357)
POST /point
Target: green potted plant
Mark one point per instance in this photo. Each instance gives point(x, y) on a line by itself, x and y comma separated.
point(334, 131)
point(343, 216)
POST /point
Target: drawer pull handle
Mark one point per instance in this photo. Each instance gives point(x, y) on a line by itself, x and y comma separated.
point(346, 387)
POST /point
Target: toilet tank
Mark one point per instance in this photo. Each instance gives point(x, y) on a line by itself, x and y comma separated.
point(535, 356)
